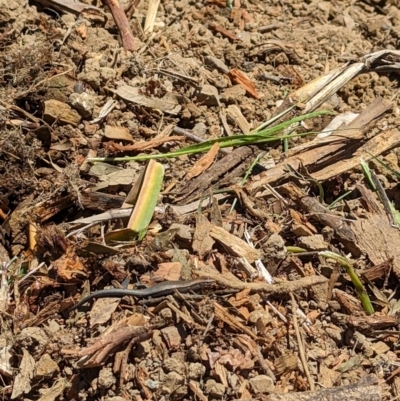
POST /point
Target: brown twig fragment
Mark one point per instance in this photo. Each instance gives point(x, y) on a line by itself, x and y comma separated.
point(140, 146)
point(107, 344)
point(366, 389)
point(124, 362)
point(302, 352)
point(217, 28)
point(223, 314)
point(239, 77)
point(122, 23)
point(231, 281)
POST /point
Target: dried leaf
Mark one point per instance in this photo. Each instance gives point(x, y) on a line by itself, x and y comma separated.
point(204, 163)
point(69, 268)
point(22, 382)
point(236, 359)
point(54, 392)
point(140, 146)
point(5, 361)
point(102, 310)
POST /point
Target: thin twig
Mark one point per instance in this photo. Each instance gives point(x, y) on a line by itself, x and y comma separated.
point(209, 325)
point(124, 362)
point(300, 342)
point(122, 23)
point(30, 273)
point(195, 138)
point(231, 281)
point(263, 364)
point(48, 79)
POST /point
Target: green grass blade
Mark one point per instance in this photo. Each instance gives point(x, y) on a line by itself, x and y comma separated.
point(273, 119)
point(396, 173)
point(367, 174)
point(225, 142)
point(339, 199)
point(361, 291)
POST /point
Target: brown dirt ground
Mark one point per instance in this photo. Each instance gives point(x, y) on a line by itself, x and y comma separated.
point(58, 70)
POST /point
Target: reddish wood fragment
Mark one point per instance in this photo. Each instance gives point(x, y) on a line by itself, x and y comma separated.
point(204, 163)
point(379, 271)
point(217, 28)
point(122, 22)
point(168, 271)
point(220, 3)
point(239, 77)
point(70, 268)
point(115, 147)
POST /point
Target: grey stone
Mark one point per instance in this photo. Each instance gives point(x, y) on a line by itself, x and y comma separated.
point(196, 370)
point(83, 102)
point(208, 95)
point(106, 378)
point(335, 333)
point(260, 314)
point(261, 384)
point(174, 365)
point(171, 336)
point(232, 93)
point(214, 389)
point(172, 382)
point(91, 72)
point(200, 129)
point(45, 367)
point(313, 242)
point(216, 63)
point(107, 73)
point(166, 314)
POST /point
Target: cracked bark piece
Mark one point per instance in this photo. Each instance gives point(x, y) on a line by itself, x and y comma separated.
point(234, 245)
point(374, 234)
point(194, 188)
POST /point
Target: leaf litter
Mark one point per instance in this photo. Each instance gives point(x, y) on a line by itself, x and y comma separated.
point(284, 241)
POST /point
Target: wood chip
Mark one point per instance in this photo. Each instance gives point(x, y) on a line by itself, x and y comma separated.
point(234, 245)
point(117, 133)
point(203, 163)
point(202, 241)
point(239, 77)
point(224, 315)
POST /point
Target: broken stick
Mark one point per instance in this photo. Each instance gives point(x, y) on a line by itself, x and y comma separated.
point(367, 389)
point(122, 22)
point(231, 281)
